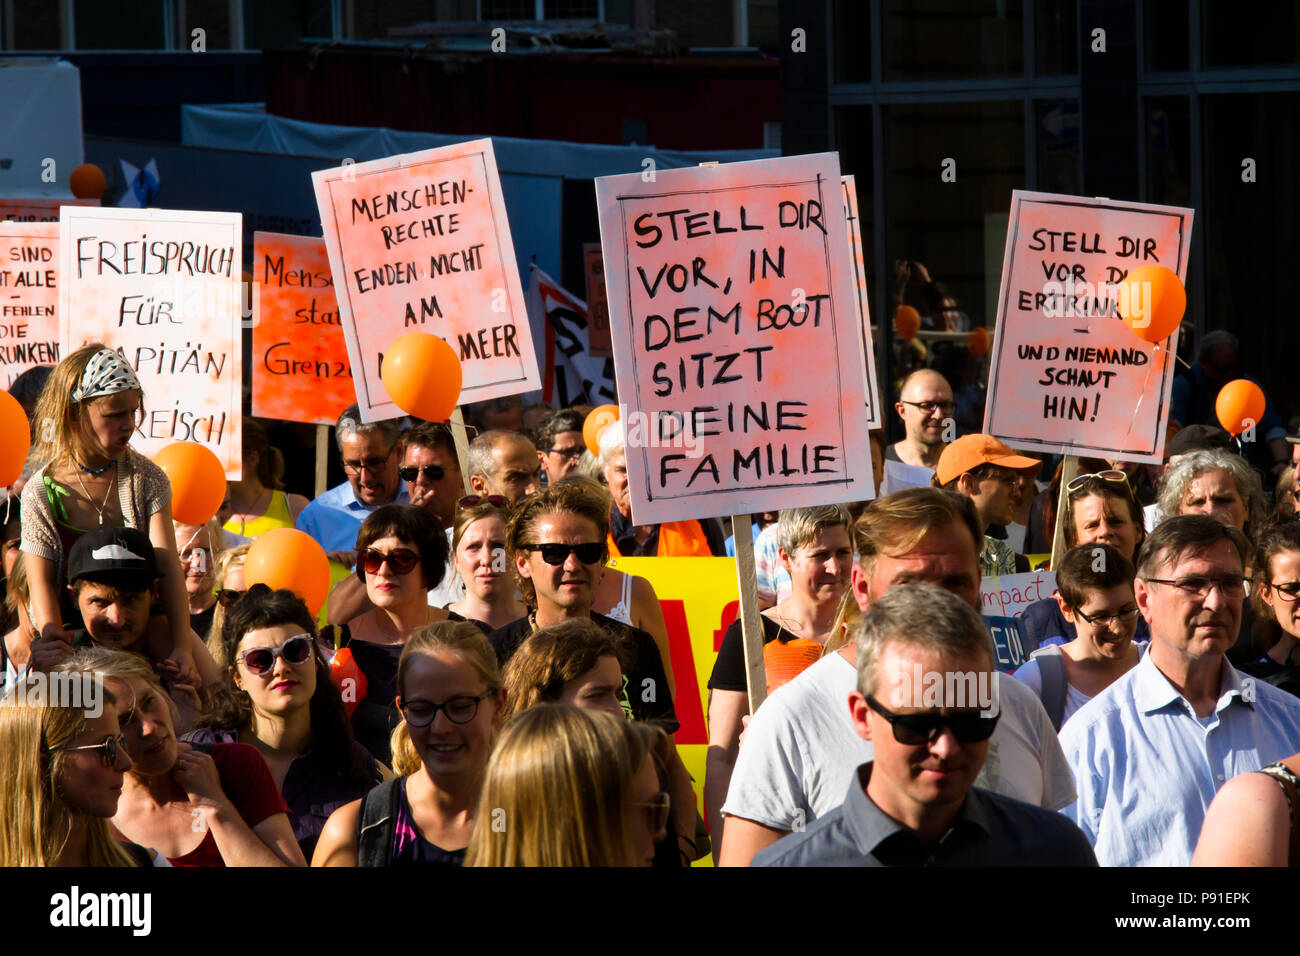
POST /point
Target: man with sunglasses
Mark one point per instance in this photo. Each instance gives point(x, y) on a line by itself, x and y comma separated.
point(801, 748)
point(925, 407)
point(923, 658)
point(559, 443)
point(1151, 750)
point(987, 472)
point(371, 454)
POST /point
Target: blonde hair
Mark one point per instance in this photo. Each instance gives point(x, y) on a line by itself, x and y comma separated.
point(57, 420)
point(105, 664)
point(467, 642)
point(229, 559)
point(36, 823)
point(562, 777)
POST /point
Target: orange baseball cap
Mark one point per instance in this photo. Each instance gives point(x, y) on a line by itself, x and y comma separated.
point(971, 451)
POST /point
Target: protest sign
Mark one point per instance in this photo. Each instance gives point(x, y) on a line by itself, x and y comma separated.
point(1067, 375)
point(161, 287)
point(1008, 595)
point(29, 296)
point(699, 601)
point(850, 191)
point(301, 371)
point(420, 242)
point(737, 348)
point(572, 375)
point(593, 263)
point(37, 209)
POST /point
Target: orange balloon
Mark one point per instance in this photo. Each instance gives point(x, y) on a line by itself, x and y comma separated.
point(422, 376)
point(198, 480)
point(289, 558)
point(907, 322)
point(15, 439)
point(1240, 404)
point(87, 182)
point(1152, 301)
point(598, 419)
point(977, 342)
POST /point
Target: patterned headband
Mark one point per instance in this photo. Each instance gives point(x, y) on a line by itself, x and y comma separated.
point(107, 374)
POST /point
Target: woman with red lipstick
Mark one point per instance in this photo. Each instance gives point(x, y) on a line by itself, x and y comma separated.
point(401, 556)
point(61, 775)
point(279, 698)
point(478, 541)
point(83, 422)
point(450, 696)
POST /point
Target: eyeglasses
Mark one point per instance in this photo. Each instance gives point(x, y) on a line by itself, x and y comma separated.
point(459, 710)
point(968, 726)
point(1230, 585)
point(371, 465)
point(590, 552)
point(1112, 475)
point(929, 408)
point(399, 560)
point(659, 806)
point(260, 660)
point(108, 749)
point(469, 501)
point(569, 454)
point(1106, 620)
point(1288, 592)
point(430, 472)
point(227, 597)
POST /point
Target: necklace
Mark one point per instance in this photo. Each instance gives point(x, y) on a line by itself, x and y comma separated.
point(95, 471)
point(102, 505)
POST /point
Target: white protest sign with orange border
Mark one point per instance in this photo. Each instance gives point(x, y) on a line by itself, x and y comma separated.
point(161, 286)
point(37, 209)
point(1067, 375)
point(853, 221)
point(421, 243)
point(301, 371)
point(29, 296)
point(737, 345)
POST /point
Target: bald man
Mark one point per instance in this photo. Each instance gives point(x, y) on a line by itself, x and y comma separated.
point(925, 405)
point(503, 463)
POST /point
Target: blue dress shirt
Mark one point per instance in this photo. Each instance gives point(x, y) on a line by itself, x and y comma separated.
point(335, 517)
point(1146, 767)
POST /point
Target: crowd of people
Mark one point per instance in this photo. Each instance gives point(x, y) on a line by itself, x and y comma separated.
point(483, 688)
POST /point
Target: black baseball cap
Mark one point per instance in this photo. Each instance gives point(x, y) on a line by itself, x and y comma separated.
point(1197, 438)
point(121, 553)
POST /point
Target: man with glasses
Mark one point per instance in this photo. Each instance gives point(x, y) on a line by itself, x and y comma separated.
point(925, 407)
point(1151, 750)
point(503, 463)
point(986, 471)
point(914, 802)
point(559, 443)
point(371, 454)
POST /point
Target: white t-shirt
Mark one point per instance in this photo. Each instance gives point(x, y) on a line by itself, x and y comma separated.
point(801, 750)
point(1031, 675)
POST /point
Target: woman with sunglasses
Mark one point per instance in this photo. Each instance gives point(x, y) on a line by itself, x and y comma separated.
point(401, 556)
point(450, 697)
point(478, 542)
point(1099, 508)
point(578, 787)
point(199, 805)
point(278, 697)
point(61, 776)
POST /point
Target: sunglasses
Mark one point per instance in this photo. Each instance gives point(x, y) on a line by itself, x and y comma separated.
point(916, 729)
point(660, 806)
point(260, 660)
point(1112, 475)
point(430, 472)
point(591, 552)
point(497, 501)
point(108, 749)
point(227, 597)
point(400, 560)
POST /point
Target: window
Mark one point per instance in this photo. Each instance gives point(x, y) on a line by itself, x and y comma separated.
point(953, 39)
point(1056, 30)
point(281, 23)
point(1059, 161)
point(1262, 34)
point(540, 10)
point(851, 41)
point(120, 24)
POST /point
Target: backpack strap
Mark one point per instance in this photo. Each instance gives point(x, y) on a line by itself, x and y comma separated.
point(1051, 665)
point(378, 824)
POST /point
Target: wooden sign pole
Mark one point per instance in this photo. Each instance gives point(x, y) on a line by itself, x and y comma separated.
point(461, 438)
point(1069, 470)
point(751, 627)
point(322, 458)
